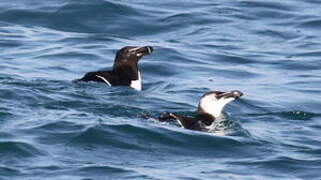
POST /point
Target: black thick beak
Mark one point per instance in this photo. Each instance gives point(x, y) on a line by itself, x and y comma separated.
point(146, 50)
point(234, 94)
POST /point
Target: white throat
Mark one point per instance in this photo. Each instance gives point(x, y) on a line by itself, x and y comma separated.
point(137, 84)
point(214, 107)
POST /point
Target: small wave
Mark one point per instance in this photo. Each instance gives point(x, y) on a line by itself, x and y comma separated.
point(118, 172)
point(72, 17)
point(283, 163)
point(300, 168)
point(234, 59)
point(16, 149)
point(281, 35)
point(58, 126)
point(311, 151)
point(161, 139)
point(103, 170)
point(181, 20)
point(311, 24)
point(117, 136)
point(5, 113)
point(316, 53)
point(6, 172)
point(267, 5)
point(292, 115)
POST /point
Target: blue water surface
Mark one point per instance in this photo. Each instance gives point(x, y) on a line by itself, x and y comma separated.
point(51, 128)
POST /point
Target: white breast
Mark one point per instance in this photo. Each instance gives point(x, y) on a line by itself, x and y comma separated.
point(137, 84)
point(210, 105)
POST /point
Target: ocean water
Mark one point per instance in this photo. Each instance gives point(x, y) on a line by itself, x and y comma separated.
point(51, 128)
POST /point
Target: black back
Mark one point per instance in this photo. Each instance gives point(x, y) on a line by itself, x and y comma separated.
point(193, 123)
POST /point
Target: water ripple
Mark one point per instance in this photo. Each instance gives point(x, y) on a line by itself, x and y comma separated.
point(52, 128)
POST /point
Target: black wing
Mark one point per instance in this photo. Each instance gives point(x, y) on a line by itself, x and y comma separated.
point(185, 121)
point(97, 76)
point(107, 77)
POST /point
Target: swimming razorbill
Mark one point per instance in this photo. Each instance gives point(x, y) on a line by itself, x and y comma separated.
point(210, 107)
point(125, 69)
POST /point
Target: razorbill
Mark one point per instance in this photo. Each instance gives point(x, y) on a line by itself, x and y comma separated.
point(209, 109)
point(125, 70)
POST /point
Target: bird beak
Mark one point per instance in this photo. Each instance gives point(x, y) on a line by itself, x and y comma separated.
point(234, 94)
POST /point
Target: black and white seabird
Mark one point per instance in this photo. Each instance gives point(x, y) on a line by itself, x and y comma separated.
point(209, 109)
point(125, 70)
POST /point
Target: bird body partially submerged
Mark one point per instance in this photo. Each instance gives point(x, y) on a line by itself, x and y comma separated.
point(125, 69)
point(209, 109)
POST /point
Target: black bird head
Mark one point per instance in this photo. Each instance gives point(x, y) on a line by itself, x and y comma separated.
point(130, 55)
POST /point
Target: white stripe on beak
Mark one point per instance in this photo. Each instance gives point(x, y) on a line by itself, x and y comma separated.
point(149, 50)
point(134, 49)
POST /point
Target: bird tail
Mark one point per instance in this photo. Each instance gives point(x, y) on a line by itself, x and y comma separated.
point(76, 80)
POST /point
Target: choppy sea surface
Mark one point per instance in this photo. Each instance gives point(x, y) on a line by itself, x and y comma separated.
point(51, 128)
